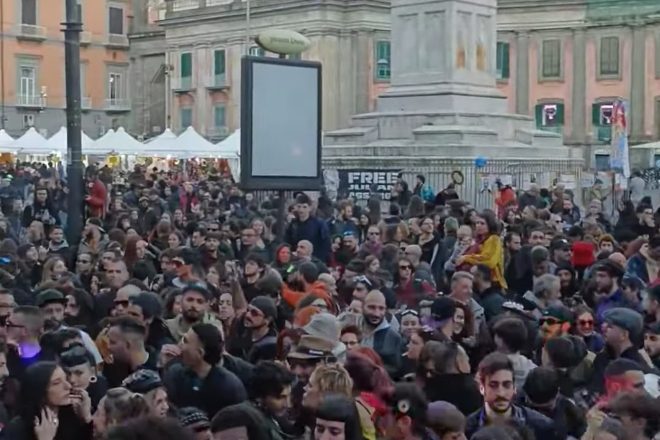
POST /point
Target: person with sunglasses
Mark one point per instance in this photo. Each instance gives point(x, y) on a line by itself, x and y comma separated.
point(557, 320)
point(254, 336)
point(585, 328)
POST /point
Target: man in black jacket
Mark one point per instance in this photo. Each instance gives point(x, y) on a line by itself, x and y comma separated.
point(488, 296)
point(498, 388)
point(198, 381)
point(308, 227)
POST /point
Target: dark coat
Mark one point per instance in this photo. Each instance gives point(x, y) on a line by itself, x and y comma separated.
point(542, 426)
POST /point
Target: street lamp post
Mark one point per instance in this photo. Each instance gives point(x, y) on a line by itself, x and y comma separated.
point(72, 29)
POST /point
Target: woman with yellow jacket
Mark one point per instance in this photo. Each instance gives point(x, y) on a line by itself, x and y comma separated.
point(490, 250)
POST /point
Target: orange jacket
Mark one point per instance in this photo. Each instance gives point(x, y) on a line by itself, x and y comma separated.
point(318, 289)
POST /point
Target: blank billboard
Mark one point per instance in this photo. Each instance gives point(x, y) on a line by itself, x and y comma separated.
point(280, 124)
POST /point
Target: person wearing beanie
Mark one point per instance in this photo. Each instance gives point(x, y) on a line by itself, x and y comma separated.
point(254, 337)
point(195, 421)
point(149, 384)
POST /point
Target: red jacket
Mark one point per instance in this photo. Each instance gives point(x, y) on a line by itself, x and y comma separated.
point(97, 200)
point(183, 201)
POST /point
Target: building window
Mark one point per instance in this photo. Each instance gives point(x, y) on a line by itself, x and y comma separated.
point(116, 21)
point(29, 12)
point(502, 60)
point(550, 117)
point(186, 117)
point(602, 121)
point(28, 82)
point(383, 60)
point(219, 67)
point(602, 162)
point(219, 116)
point(609, 56)
point(257, 51)
point(551, 67)
point(115, 87)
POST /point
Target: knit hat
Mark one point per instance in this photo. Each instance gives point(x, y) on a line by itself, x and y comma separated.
point(627, 319)
point(583, 254)
point(142, 381)
point(323, 325)
point(266, 305)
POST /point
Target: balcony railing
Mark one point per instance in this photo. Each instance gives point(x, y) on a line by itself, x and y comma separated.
point(184, 5)
point(86, 103)
point(116, 41)
point(31, 32)
point(32, 101)
point(182, 84)
point(603, 133)
point(85, 38)
point(559, 129)
point(217, 81)
point(117, 105)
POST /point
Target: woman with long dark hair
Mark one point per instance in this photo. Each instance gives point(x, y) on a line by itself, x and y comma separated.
point(79, 311)
point(49, 409)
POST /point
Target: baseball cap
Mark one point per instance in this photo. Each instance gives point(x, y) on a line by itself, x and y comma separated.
point(50, 296)
point(559, 312)
point(560, 243)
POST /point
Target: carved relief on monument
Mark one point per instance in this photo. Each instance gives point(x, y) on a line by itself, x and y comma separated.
point(483, 30)
point(463, 30)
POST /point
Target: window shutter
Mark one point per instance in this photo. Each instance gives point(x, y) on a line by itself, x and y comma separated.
point(539, 115)
point(595, 114)
point(186, 65)
point(560, 114)
point(505, 60)
point(219, 68)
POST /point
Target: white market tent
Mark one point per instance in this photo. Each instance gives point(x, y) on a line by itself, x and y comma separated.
point(195, 145)
point(5, 142)
point(118, 142)
point(165, 141)
point(59, 142)
point(31, 143)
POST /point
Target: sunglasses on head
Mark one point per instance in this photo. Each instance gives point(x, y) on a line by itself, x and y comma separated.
point(412, 312)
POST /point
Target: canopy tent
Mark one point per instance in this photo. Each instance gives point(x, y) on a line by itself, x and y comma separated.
point(59, 141)
point(118, 142)
point(5, 142)
point(195, 145)
point(31, 143)
point(230, 149)
point(165, 141)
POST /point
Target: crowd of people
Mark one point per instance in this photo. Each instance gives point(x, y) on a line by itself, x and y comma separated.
point(181, 314)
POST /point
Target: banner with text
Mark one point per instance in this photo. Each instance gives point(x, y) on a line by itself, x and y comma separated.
point(357, 183)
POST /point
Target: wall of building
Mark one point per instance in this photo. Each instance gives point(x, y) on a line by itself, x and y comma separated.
point(46, 55)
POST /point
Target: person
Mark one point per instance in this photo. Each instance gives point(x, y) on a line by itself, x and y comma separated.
point(337, 418)
point(126, 343)
point(196, 422)
point(378, 334)
point(510, 335)
point(194, 309)
point(96, 194)
point(639, 414)
point(242, 421)
point(254, 337)
point(541, 393)
point(147, 308)
point(585, 328)
point(151, 428)
point(48, 407)
point(307, 227)
point(652, 343)
point(491, 252)
point(622, 326)
point(445, 421)
point(607, 275)
point(409, 408)
point(489, 296)
point(149, 385)
point(496, 379)
point(198, 380)
point(24, 327)
point(270, 393)
point(118, 406)
point(81, 372)
point(325, 379)
point(461, 292)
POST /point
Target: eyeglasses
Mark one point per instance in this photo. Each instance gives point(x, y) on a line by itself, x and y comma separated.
point(253, 311)
point(550, 321)
point(586, 322)
point(405, 267)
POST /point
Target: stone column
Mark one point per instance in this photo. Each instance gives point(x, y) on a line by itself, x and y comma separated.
point(638, 80)
point(579, 122)
point(522, 73)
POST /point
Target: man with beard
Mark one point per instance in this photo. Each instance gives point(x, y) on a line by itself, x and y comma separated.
point(622, 329)
point(194, 309)
point(344, 221)
point(198, 380)
point(652, 304)
point(652, 343)
point(146, 307)
point(498, 388)
point(254, 337)
point(560, 252)
point(84, 269)
point(52, 302)
point(378, 334)
point(252, 272)
point(607, 275)
point(126, 344)
point(348, 249)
